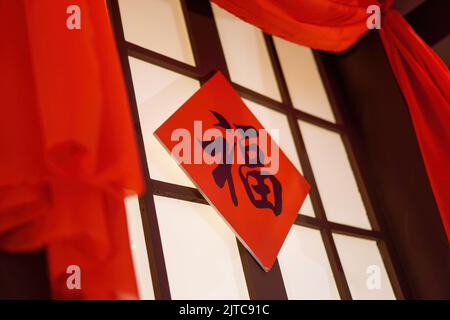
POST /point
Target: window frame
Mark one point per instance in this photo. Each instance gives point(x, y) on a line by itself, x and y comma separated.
point(209, 58)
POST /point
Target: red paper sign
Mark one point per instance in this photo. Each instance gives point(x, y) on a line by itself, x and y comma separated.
point(237, 166)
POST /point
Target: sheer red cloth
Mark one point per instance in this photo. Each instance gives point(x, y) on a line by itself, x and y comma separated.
point(425, 82)
point(335, 25)
point(68, 145)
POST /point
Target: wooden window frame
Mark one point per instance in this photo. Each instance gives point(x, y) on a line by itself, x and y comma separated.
point(209, 58)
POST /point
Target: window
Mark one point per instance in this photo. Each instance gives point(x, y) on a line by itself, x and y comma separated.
point(192, 253)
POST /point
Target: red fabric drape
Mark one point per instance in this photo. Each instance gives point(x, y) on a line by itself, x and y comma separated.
point(68, 150)
point(331, 25)
point(425, 82)
point(335, 25)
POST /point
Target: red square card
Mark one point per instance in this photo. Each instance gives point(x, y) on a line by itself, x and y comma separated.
point(237, 166)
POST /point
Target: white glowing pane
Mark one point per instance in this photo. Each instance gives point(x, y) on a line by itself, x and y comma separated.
point(363, 268)
point(246, 54)
point(307, 208)
point(157, 25)
point(159, 93)
point(303, 79)
point(200, 251)
point(304, 265)
point(275, 120)
point(334, 176)
point(139, 249)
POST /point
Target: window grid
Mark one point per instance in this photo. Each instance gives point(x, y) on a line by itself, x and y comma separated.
point(202, 71)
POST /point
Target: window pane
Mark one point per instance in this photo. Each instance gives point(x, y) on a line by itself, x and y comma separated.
point(200, 251)
point(334, 176)
point(363, 268)
point(304, 265)
point(139, 249)
point(303, 79)
point(271, 119)
point(246, 54)
point(157, 25)
point(159, 93)
point(307, 208)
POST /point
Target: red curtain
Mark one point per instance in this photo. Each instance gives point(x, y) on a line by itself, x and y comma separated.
point(331, 25)
point(69, 153)
point(335, 25)
point(425, 82)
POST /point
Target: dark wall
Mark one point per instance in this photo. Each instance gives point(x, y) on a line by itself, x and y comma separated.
point(24, 276)
point(394, 171)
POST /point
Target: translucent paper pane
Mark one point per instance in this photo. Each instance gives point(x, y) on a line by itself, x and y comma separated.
point(334, 176)
point(304, 265)
point(159, 93)
point(201, 252)
point(275, 120)
point(138, 249)
point(303, 79)
point(363, 268)
point(307, 208)
point(246, 54)
point(157, 25)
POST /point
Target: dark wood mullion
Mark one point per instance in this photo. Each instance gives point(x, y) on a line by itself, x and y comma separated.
point(338, 228)
point(209, 57)
point(325, 231)
point(354, 231)
point(347, 140)
point(350, 141)
point(284, 108)
point(174, 191)
point(310, 222)
point(170, 190)
point(146, 201)
point(318, 122)
point(163, 61)
point(384, 246)
point(260, 98)
point(278, 71)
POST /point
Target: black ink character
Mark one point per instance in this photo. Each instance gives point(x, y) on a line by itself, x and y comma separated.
point(263, 190)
